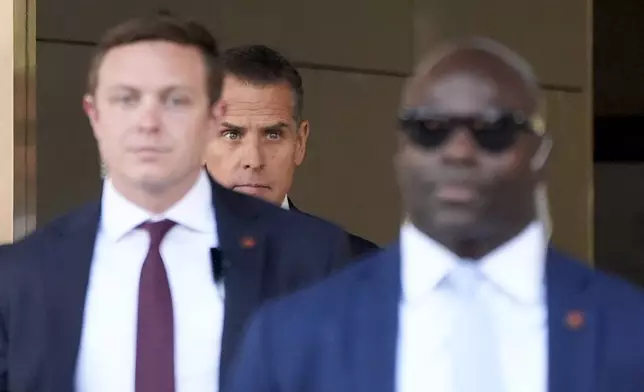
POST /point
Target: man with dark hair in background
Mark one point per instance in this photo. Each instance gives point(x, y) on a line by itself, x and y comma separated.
point(147, 290)
point(262, 138)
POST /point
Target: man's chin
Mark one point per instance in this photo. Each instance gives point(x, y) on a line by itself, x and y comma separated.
point(255, 191)
point(158, 181)
point(455, 222)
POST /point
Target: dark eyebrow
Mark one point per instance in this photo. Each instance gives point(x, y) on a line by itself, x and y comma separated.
point(276, 127)
point(232, 127)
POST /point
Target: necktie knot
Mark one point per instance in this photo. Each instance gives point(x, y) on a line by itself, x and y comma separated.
point(465, 279)
point(157, 230)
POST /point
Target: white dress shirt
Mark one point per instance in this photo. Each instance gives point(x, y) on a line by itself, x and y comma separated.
point(107, 357)
point(514, 290)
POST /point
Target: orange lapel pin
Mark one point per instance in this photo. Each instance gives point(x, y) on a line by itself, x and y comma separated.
point(247, 242)
point(575, 319)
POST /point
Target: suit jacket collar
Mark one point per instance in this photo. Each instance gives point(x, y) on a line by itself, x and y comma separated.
point(67, 264)
point(572, 321)
point(243, 244)
point(374, 324)
point(291, 206)
point(68, 255)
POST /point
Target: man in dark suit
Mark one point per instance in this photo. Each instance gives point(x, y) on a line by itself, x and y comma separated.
point(471, 299)
point(262, 138)
point(147, 290)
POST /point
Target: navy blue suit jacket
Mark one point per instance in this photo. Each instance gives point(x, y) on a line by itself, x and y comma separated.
point(359, 246)
point(341, 335)
point(268, 252)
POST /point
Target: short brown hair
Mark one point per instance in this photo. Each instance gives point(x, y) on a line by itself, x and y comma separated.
point(161, 27)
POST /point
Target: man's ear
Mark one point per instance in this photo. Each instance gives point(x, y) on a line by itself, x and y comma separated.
point(89, 107)
point(541, 157)
point(302, 136)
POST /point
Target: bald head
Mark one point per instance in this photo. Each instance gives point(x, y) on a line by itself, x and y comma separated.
point(498, 73)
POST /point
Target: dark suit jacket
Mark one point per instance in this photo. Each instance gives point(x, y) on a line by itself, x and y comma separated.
point(358, 245)
point(341, 335)
point(43, 282)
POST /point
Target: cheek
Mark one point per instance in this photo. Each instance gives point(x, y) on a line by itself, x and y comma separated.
point(221, 160)
point(222, 150)
point(213, 154)
point(281, 155)
point(111, 133)
point(422, 163)
point(504, 167)
point(187, 131)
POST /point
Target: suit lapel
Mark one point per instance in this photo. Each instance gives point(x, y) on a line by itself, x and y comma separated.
point(292, 206)
point(67, 264)
point(571, 323)
point(374, 330)
point(243, 250)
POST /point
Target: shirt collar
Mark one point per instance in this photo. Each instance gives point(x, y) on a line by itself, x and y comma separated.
point(424, 262)
point(516, 267)
point(194, 211)
point(285, 204)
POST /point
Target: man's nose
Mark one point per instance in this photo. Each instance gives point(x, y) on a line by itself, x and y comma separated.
point(150, 116)
point(253, 156)
point(460, 146)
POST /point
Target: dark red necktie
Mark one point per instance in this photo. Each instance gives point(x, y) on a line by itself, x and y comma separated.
point(155, 326)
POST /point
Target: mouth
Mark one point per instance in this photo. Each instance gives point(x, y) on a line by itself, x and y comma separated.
point(150, 150)
point(150, 154)
point(252, 189)
point(457, 193)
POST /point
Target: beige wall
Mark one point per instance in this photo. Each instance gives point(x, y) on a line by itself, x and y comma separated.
point(353, 56)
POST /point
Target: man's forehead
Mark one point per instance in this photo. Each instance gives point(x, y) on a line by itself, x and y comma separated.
point(243, 98)
point(245, 91)
point(148, 60)
point(458, 92)
point(477, 73)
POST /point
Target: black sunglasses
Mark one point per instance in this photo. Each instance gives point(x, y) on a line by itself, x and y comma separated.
point(494, 135)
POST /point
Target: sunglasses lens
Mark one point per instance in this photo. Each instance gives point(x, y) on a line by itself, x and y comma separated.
point(492, 136)
point(428, 134)
point(495, 139)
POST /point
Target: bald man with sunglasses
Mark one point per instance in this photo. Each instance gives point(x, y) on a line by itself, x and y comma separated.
point(471, 298)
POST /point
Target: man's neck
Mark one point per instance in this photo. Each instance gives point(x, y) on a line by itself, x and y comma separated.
point(155, 199)
point(475, 246)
